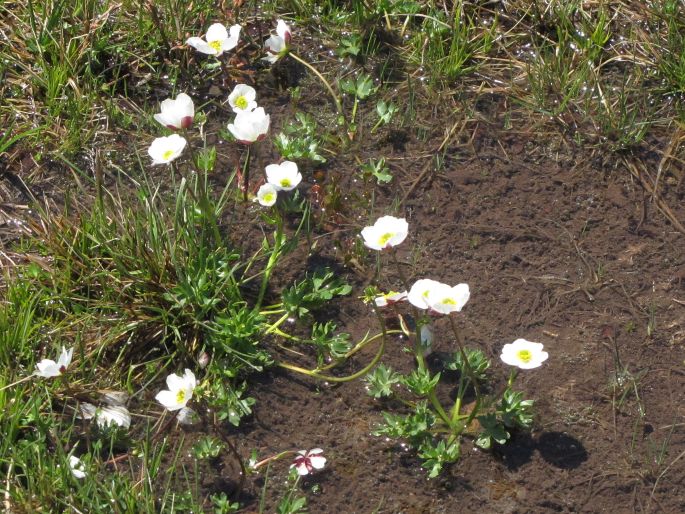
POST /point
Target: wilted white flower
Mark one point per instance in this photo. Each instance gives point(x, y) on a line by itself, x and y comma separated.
point(76, 467)
point(388, 231)
point(524, 354)
point(445, 299)
point(426, 336)
point(250, 126)
point(163, 150)
point(187, 416)
point(308, 461)
point(267, 195)
point(178, 113)
point(180, 391)
point(106, 416)
point(419, 294)
point(284, 176)
point(218, 40)
point(277, 46)
point(48, 368)
point(390, 298)
point(117, 415)
point(242, 98)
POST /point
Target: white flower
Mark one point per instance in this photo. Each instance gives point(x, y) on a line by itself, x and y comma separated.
point(218, 40)
point(76, 467)
point(420, 292)
point(386, 232)
point(242, 98)
point(250, 126)
point(48, 368)
point(284, 176)
point(308, 461)
point(277, 46)
point(445, 299)
point(390, 298)
point(180, 391)
point(176, 114)
point(438, 297)
point(523, 354)
point(163, 150)
point(267, 195)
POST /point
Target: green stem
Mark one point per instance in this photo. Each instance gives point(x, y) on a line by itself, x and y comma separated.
point(460, 395)
point(278, 323)
point(439, 408)
point(467, 364)
point(512, 376)
point(354, 108)
point(279, 238)
point(246, 173)
point(354, 376)
point(418, 352)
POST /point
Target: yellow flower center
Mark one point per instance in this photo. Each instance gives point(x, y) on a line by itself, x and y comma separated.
point(383, 240)
point(167, 155)
point(241, 102)
point(449, 301)
point(268, 197)
point(180, 396)
point(285, 182)
point(525, 356)
point(216, 45)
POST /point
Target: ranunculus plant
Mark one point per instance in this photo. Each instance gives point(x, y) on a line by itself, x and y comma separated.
point(433, 427)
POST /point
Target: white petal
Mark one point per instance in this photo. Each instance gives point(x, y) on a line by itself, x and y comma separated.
point(65, 357)
point(267, 195)
point(86, 410)
point(317, 462)
point(185, 104)
point(168, 400)
point(48, 368)
point(216, 32)
point(234, 31)
point(165, 120)
point(190, 380)
point(175, 383)
point(301, 468)
point(201, 45)
point(282, 30)
point(118, 415)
